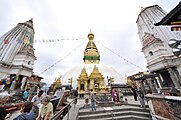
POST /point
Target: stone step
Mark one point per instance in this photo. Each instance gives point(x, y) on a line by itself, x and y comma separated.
point(110, 114)
point(88, 111)
point(127, 117)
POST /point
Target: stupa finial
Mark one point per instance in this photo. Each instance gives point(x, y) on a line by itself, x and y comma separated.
point(90, 35)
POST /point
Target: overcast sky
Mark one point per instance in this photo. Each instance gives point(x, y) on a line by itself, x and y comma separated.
point(113, 23)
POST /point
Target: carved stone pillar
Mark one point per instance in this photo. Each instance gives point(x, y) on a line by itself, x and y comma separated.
point(174, 78)
point(85, 86)
point(153, 88)
point(160, 79)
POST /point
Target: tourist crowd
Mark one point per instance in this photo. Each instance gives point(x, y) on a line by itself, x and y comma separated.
point(34, 106)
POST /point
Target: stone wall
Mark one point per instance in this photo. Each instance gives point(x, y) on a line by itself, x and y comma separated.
point(165, 106)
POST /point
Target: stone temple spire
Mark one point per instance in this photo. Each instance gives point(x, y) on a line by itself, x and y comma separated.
point(16, 47)
point(91, 54)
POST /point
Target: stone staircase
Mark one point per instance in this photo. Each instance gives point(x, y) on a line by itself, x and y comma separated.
point(115, 112)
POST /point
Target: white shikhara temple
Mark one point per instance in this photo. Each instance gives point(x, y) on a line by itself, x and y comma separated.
point(158, 54)
point(17, 52)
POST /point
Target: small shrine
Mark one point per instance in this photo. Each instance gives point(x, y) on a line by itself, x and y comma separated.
point(94, 81)
point(56, 84)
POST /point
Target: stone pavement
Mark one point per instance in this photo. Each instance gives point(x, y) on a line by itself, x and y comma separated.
point(81, 102)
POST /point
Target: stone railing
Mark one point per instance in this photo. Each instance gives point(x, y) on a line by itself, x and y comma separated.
point(104, 97)
point(164, 107)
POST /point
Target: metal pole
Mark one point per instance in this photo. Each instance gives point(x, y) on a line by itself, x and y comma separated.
point(68, 113)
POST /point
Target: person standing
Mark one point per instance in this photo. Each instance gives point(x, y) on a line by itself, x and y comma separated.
point(93, 101)
point(134, 90)
point(37, 99)
point(114, 96)
point(26, 114)
point(25, 95)
point(75, 93)
point(141, 97)
point(120, 94)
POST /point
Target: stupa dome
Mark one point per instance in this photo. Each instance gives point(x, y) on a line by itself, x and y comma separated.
point(105, 70)
point(92, 74)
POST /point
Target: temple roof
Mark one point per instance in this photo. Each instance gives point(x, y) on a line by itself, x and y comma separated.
point(172, 17)
point(95, 73)
point(83, 74)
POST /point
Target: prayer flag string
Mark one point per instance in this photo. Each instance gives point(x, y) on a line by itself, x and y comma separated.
point(119, 56)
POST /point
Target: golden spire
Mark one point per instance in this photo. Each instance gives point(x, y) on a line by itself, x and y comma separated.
point(96, 73)
point(83, 75)
point(91, 54)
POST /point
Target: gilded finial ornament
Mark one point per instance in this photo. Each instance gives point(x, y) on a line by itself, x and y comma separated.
point(90, 35)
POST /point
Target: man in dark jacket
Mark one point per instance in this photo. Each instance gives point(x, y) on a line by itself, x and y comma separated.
point(141, 98)
point(134, 90)
point(26, 114)
point(75, 93)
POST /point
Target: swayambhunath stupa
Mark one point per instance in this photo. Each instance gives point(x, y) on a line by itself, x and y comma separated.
point(92, 74)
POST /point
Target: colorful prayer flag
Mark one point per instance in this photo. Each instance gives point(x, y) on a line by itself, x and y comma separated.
point(20, 41)
point(176, 28)
point(25, 41)
point(6, 41)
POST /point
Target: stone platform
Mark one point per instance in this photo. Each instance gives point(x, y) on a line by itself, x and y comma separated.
point(81, 107)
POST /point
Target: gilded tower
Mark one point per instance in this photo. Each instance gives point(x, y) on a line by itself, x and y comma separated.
point(95, 80)
point(82, 81)
point(91, 54)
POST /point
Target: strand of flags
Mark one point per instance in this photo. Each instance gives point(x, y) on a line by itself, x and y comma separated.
point(26, 41)
point(20, 41)
point(52, 65)
point(176, 26)
point(120, 56)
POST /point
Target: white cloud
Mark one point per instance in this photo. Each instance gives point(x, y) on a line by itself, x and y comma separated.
point(112, 21)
